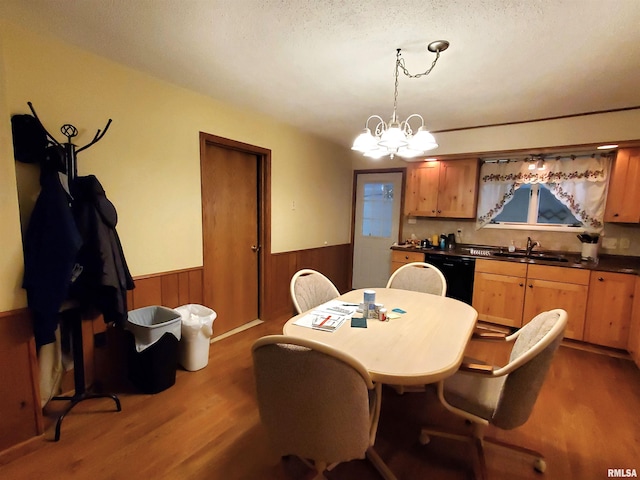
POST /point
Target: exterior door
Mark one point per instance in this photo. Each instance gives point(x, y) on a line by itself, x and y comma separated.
point(377, 226)
point(231, 234)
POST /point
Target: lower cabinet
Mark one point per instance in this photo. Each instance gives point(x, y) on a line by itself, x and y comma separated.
point(609, 309)
point(633, 344)
point(498, 291)
point(551, 287)
point(603, 307)
point(400, 258)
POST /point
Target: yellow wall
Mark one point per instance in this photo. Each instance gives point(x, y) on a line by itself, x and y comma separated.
point(149, 161)
point(11, 295)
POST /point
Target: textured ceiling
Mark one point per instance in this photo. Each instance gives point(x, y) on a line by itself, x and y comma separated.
point(325, 66)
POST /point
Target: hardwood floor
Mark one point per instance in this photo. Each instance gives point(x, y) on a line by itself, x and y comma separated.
point(207, 427)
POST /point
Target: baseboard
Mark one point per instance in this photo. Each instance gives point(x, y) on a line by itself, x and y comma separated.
point(589, 347)
point(239, 329)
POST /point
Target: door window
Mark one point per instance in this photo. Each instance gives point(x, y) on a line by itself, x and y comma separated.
point(377, 216)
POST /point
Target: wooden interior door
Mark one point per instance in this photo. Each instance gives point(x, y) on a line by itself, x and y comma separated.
point(231, 234)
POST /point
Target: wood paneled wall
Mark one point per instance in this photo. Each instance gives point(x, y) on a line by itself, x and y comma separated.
point(21, 416)
point(332, 261)
point(170, 289)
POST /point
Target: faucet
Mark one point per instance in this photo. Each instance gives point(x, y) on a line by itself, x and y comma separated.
point(531, 244)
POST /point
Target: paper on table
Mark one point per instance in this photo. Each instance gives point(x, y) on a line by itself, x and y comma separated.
point(328, 316)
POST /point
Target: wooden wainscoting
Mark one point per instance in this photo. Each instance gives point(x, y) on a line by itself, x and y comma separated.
point(20, 400)
point(333, 261)
point(171, 289)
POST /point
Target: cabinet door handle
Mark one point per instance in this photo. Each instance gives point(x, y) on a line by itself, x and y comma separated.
point(439, 211)
point(600, 279)
point(530, 286)
point(521, 284)
point(616, 214)
point(406, 257)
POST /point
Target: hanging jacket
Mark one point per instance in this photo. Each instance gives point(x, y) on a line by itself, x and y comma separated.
point(105, 277)
point(51, 244)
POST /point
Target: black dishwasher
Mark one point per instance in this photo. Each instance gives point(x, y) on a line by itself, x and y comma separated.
point(458, 271)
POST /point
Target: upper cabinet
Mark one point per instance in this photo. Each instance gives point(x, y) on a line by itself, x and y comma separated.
point(447, 188)
point(623, 199)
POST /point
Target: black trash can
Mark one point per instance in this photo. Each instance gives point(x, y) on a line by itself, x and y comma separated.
point(153, 347)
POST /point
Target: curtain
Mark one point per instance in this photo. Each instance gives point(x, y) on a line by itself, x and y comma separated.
point(578, 183)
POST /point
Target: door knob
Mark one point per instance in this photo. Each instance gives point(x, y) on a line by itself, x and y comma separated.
point(255, 248)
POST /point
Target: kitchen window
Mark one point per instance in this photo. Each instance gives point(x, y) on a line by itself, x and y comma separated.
point(568, 193)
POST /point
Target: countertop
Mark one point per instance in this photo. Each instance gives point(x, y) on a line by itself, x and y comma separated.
point(605, 263)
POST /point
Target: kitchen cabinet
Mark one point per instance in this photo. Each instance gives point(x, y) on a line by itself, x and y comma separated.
point(609, 309)
point(623, 198)
point(400, 258)
point(633, 345)
point(511, 294)
point(447, 188)
point(550, 287)
point(498, 291)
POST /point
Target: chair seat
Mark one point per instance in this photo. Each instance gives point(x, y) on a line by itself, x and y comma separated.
point(474, 394)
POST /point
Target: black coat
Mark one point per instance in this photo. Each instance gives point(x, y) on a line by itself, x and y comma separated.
point(51, 244)
point(105, 277)
point(72, 252)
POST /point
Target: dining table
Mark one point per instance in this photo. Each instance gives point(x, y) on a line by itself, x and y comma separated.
point(423, 345)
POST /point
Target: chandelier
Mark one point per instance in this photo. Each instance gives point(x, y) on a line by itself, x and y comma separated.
point(396, 137)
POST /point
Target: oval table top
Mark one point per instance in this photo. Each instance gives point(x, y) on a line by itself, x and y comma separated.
point(422, 346)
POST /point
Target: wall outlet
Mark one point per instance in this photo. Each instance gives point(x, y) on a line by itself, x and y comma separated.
point(610, 243)
point(412, 221)
point(624, 243)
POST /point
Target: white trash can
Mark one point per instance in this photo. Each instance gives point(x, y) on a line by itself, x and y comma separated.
point(197, 329)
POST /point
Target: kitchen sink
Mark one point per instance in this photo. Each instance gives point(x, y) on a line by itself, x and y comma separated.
point(532, 256)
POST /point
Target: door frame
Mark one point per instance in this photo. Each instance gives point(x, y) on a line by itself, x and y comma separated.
point(354, 199)
point(264, 208)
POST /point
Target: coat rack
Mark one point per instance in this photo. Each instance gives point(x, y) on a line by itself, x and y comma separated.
point(80, 394)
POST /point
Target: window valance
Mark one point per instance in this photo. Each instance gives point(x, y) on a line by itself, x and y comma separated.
point(578, 183)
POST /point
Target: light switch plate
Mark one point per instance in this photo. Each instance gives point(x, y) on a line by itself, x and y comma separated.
point(610, 243)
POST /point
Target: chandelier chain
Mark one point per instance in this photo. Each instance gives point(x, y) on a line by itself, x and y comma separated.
point(400, 63)
point(395, 137)
point(395, 92)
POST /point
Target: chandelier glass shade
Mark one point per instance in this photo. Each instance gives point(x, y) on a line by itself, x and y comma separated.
point(398, 137)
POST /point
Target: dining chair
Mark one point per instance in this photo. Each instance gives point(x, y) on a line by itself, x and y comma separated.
point(503, 396)
point(316, 403)
point(310, 288)
point(419, 277)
